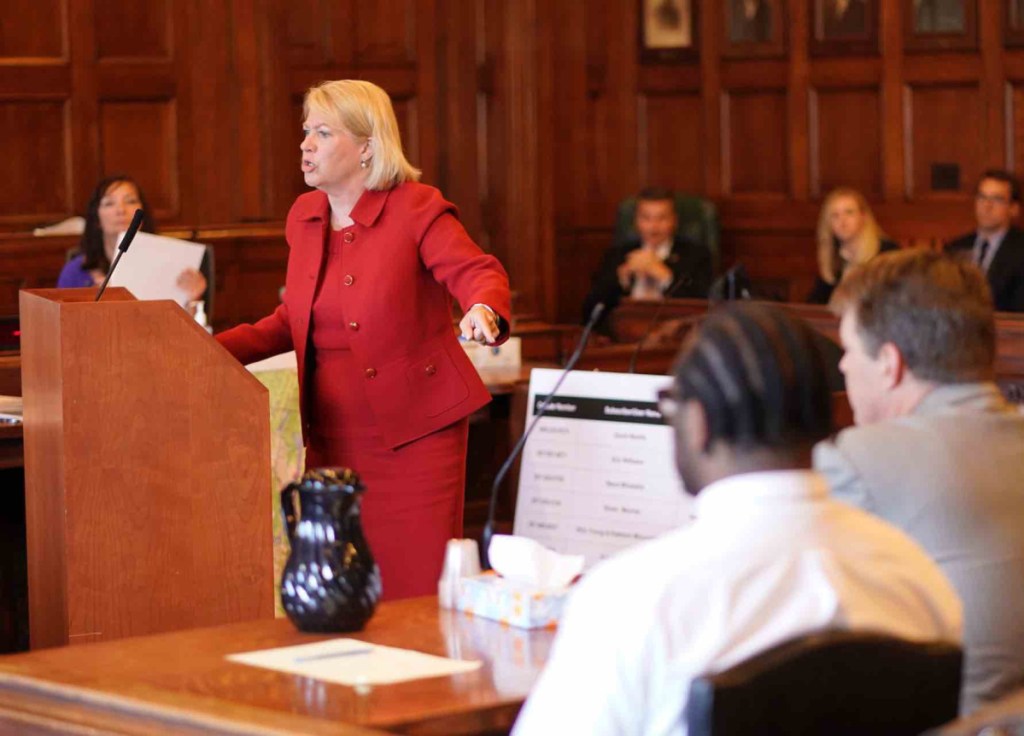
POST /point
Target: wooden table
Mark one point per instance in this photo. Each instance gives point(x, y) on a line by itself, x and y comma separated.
point(181, 682)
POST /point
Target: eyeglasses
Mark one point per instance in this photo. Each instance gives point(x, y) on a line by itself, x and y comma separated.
point(991, 198)
point(668, 403)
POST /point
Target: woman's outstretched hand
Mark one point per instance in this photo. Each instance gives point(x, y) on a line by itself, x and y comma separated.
point(480, 325)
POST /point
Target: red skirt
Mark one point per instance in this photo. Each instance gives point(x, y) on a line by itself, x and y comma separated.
point(413, 501)
point(414, 494)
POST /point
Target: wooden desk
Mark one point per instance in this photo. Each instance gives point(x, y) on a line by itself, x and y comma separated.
point(180, 683)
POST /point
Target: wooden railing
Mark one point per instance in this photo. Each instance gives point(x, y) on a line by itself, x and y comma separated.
point(633, 319)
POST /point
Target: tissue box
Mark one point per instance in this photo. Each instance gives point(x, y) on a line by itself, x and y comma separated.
point(513, 603)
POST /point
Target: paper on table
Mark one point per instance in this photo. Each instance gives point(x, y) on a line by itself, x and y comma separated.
point(152, 265)
point(353, 662)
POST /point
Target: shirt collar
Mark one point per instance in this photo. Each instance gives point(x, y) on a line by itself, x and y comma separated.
point(982, 396)
point(728, 495)
point(315, 206)
point(993, 241)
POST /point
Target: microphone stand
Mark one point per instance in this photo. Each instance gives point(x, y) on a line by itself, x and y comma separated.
point(669, 292)
point(122, 248)
point(488, 532)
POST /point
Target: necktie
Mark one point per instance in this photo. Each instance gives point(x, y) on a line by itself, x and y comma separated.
point(981, 254)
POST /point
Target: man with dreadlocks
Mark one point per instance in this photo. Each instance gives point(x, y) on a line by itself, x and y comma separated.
point(769, 555)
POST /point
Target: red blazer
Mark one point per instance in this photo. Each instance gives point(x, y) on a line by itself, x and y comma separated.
point(408, 253)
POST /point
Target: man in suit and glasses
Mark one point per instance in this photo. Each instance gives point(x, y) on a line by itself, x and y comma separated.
point(996, 247)
point(936, 449)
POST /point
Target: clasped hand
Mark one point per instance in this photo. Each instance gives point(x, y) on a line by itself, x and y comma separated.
point(643, 262)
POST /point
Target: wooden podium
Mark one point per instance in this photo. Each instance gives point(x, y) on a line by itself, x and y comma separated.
point(147, 471)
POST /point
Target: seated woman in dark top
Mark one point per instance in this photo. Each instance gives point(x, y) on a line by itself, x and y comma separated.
point(847, 235)
point(110, 210)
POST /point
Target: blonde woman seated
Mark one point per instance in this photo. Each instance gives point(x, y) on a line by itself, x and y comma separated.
point(847, 235)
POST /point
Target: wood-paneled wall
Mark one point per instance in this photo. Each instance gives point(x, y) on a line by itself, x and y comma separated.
point(201, 102)
point(767, 138)
point(535, 117)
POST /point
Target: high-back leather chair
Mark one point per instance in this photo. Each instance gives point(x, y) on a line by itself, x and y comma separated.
point(698, 221)
point(833, 682)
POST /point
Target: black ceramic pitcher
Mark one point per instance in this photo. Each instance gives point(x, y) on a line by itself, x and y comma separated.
point(330, 582)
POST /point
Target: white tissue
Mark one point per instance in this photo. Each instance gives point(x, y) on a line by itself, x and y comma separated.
point(528, 561)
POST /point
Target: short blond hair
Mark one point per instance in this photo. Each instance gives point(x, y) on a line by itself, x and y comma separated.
point(868, 243)
point(364, 110)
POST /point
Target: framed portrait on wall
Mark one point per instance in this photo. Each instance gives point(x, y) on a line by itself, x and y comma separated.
point(844, 27)
point(754, 28)
point(1013, 23)
point(668, 30)
point(938, 25)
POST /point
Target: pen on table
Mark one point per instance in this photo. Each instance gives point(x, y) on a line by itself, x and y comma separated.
point(332, 655)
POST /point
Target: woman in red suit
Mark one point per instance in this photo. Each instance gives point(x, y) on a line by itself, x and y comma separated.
point(385, 387)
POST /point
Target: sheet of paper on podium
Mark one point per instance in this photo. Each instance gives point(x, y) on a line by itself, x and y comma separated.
point(598, 472)
point(150, 268)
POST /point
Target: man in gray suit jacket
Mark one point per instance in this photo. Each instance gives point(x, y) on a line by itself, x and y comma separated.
point(937, 451)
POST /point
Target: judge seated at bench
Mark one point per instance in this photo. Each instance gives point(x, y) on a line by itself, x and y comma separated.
point(654, 262)
point(769, 556)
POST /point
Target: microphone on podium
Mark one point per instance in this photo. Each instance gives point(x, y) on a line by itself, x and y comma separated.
point(122, 248)
point(488, 532)
point(683, 280)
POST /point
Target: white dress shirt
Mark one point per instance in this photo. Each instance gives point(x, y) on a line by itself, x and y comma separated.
point(768, 557)
point(990, 253)
point(648, 288)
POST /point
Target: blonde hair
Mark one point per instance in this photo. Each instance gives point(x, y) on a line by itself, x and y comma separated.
point(364, 110)
point(864, 247)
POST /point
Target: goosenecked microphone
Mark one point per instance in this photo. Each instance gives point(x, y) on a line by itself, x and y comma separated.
point(122, 248)
point(488, 532)
point(683, 280)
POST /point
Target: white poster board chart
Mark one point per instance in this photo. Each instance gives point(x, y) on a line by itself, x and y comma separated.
point(150, 268)
point(598, 472)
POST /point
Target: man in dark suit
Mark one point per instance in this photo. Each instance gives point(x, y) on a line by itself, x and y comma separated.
point(656, 263)
point(996, 246)
point(845, 19)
